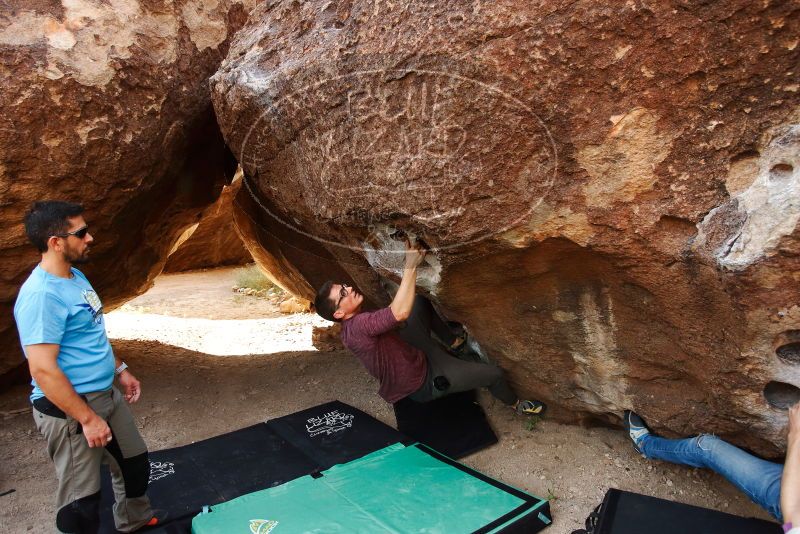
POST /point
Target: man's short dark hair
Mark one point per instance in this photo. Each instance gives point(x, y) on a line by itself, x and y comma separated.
point(324, 304)
point(48, 218)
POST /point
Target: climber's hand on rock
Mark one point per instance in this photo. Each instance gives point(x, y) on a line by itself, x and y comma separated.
point(414, 255)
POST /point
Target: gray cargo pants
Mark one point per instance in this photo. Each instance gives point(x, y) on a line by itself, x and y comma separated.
point(78, 465)
point(459, 375)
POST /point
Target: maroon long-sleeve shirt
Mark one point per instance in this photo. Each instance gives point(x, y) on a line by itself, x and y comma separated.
point(400, 368)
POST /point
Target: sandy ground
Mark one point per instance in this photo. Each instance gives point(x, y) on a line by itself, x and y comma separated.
point(198, 311)
point(189, 395)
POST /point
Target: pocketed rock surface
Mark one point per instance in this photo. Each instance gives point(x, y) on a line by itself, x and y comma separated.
point(189, 396)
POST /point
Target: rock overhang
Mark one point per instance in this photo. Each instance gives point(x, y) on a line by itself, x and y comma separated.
point(557, 160)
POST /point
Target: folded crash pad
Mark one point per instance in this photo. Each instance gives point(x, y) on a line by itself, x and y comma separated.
point(454, 425)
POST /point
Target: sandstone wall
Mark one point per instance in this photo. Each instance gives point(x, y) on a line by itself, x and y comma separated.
point(107, 103)
point(609, 190)
point(213, 241)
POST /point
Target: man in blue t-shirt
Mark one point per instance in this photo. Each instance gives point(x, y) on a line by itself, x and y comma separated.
point(76, 407)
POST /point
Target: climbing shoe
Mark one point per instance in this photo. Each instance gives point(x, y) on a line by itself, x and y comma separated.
point(158, 519)
point(528, 407)
point(459, 344)
point(636, 428)
point(462, 348)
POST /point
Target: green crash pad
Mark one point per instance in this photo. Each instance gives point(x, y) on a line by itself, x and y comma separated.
point(397, 489)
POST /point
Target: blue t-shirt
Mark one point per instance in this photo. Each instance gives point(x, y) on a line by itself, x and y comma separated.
point(68, 313)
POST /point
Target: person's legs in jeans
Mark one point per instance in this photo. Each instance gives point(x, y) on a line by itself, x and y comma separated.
point(759, 479)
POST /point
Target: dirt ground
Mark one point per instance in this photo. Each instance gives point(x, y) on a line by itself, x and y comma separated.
point(190, 395)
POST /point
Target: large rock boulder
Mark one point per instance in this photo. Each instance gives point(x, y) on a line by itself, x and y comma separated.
point(609, 191)
point(213, 241)
point(107, 103)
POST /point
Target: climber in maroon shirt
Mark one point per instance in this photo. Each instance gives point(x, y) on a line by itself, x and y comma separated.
point(396, 346)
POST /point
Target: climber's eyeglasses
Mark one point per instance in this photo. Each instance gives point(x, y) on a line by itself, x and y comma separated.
point(342, 294)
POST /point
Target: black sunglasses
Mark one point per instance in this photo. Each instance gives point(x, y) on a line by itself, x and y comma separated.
point(80, 233)
point(342, 294)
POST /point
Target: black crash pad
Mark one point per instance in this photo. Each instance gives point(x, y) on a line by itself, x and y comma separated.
point(184, 479)
point(334, 433)
point(623, 512)
point(454, 425)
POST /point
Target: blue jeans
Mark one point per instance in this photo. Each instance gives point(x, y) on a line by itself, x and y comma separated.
point(758, 479)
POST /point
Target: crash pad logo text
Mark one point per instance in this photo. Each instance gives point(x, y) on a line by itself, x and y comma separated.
point(329, 423)
point(159, 470)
